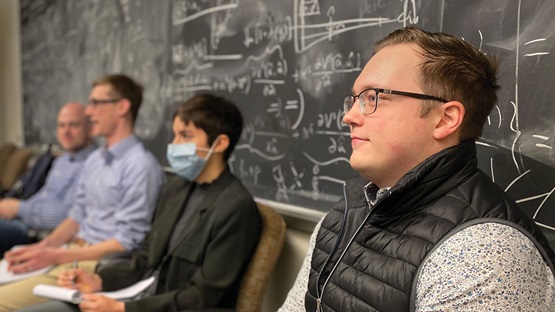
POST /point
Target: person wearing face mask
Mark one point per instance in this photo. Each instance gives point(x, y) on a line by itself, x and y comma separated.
point(184, 160)
point(204, 232)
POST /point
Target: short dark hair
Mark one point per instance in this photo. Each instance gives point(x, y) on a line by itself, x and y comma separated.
point(215, 115)
point(454, 70)
point(124, 87)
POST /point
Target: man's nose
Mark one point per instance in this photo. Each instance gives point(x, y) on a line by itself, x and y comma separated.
point(348, 116)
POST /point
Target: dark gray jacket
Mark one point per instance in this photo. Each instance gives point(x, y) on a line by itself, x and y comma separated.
point(206, 267)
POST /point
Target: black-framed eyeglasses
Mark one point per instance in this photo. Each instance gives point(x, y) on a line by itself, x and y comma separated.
point(368, 99)
point(94, 102)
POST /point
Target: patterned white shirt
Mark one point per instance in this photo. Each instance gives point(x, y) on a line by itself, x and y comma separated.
point(486, 267)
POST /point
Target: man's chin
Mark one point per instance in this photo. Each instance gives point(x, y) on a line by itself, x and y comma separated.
point(356, 163)
point(66, 146)
point(95, 134)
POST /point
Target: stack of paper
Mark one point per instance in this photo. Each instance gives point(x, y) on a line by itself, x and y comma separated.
point(73, 295)
point(8, 277)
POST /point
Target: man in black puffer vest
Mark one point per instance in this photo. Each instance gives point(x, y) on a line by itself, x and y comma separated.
point(422, 228)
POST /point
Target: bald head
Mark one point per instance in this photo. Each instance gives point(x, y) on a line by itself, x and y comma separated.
point(73, 127)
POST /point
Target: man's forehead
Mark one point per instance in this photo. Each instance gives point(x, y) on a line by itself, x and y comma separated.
point(67, 115)
point(101, 89)
point(394, 67)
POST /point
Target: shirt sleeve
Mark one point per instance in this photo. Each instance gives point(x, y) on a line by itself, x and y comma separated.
point(77, 210)
point(140, 187)
point(296, 296)
point(51, 204)
point(486, 267)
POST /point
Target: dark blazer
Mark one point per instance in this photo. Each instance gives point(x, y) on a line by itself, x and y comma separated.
point(205, 269)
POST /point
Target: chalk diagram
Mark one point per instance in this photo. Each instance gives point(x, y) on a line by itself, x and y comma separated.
point(286, 117)
point(516, 149)
point(66, 45)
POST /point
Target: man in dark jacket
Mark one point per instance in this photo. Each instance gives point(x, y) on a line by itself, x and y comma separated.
point(422, 229)
point(205, 229)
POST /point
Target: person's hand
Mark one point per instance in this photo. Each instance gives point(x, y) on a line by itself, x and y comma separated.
point(30, 258)
point(100, 303)
point(9, 207)
point(80, 280)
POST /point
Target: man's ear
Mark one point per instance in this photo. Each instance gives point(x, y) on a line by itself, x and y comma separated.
point(222, 143)
point(451, 116)
point(124, 107)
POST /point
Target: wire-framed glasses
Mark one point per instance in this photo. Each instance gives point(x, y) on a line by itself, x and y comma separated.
point(95, 102)
point(368, 99)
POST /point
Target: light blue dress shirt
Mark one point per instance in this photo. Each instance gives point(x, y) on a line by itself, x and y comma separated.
point(50, 205)
point(117, 194)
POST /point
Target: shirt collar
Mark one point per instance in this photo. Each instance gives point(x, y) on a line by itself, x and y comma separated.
point(82, 153)
point(374, 193)
point(118, 149)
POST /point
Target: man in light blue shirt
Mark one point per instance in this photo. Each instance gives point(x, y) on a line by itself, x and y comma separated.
point(50, 205)
point(115, 199)
point(118, 184)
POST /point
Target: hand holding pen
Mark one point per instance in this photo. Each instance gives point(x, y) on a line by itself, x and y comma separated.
point(75, 267)
point(77, 278)
point(68, 278)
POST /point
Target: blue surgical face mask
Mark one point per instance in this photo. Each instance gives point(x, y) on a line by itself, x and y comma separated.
point(184, 160)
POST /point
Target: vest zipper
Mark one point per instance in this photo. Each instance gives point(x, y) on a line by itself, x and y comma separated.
point(320, 294)
point(342, 231)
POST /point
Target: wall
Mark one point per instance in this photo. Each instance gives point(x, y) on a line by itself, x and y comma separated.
point(288, 265)
point(11, 120)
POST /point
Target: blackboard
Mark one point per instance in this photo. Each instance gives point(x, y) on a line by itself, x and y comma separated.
point(288, 65)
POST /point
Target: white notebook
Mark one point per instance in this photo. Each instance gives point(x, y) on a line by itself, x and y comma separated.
point(72, 295)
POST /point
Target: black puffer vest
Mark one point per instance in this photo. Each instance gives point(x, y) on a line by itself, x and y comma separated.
point(381, 248)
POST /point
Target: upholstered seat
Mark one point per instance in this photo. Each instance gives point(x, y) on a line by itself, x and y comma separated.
point(5, 151)
point(15, 166)
point(257, 277)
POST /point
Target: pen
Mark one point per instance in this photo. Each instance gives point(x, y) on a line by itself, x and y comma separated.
point(75, 266)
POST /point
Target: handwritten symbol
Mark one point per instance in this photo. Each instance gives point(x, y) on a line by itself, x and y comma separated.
point(544, 138)
point(536, 53)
